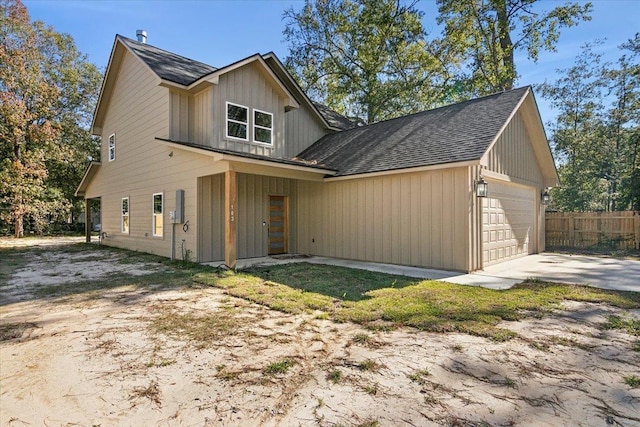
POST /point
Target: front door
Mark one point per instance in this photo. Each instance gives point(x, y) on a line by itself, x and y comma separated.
point(278, 225)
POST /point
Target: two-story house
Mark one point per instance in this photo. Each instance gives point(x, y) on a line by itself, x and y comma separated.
point(237, 162)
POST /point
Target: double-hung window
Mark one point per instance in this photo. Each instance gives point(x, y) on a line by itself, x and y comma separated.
point(237, 121)
point(262, 126)
point(124, 217)
point(157, 215)
point(112, 147)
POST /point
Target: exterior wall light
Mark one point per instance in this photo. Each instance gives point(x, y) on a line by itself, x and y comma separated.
point(545, 197)
point(482, 188)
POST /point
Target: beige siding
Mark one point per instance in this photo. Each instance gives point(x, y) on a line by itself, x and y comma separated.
point(211, 218)
point(249, 87)
point(252, 211)
point(253, 197)
point(302, 129)
point(513, 154)
point(203, 117)
point(180, 114)
point(138, 112)
point(419, 219)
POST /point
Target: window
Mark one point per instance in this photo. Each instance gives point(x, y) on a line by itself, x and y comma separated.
point(124, 220)
point(237, 121)
point(112, 147)
point(157, 215)
point(262, 126)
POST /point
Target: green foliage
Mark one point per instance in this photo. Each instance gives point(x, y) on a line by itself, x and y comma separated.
point(47, 94)
point(367, 59)
point(596, 135)
point(279, 368)
point(632, 381)
point(485, 34)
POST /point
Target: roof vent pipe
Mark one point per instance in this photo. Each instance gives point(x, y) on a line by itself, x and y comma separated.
point(142, 36)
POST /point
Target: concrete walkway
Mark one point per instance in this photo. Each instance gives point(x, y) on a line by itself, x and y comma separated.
point(605, 273)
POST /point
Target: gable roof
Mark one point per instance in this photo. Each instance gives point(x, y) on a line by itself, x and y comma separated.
point(455, 133)
point(175, 69)
point(168, 65)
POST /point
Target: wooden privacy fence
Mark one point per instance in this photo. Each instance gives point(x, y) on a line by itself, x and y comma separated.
point(619, 230)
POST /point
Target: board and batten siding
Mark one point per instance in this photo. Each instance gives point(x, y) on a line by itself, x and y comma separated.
point(513, 155)
point(252, 210)
point(302, 129)
point(419, 219)
point(138, 113)
point(247, 86)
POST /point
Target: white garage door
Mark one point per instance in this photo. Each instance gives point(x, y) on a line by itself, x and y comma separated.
point(508, 218)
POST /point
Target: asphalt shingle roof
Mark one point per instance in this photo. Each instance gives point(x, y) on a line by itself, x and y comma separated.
point(334, 118)
point(168, 65)
point(179, 69)
point(454, 133)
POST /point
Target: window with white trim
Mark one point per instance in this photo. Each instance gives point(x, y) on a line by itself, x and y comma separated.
point(112, 147)
point(124, 218)
point(157, 215)
point(237, 121)
point(262, 126)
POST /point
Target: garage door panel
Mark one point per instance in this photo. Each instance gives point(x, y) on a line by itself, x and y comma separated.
point(508, 222)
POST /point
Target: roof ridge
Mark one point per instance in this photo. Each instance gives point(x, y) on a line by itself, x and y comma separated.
point(127, 39)
point(441, 107)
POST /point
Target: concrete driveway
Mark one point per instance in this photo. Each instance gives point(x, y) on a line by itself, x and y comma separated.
point(600, 272)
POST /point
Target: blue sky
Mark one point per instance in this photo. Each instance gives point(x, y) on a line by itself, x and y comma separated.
point(219, 32)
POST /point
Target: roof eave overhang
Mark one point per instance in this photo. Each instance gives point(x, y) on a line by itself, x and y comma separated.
point(89, 173)
point(218, 156)
point(462, 164)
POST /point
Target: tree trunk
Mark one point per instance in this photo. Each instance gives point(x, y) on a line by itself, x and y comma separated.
point(19, 226)
point(506, 44)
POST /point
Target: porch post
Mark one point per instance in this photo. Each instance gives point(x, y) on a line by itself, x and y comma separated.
point(230, 195)
point(87, 220)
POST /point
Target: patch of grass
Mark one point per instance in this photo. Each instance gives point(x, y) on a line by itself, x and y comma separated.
point(631, 326)
point(419, 376)
point(278, 368)
point(369, 365)
point(337, 282)
point(369, 423)
point(509, 382)
point(201, 330)
point(362, 338)
point(371, 389)
point(632, 381)
point(636, 346)
point(458, 348)
point(383, 301)
point(335, 375)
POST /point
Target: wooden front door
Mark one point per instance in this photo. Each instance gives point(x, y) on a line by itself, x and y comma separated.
point(278, 225)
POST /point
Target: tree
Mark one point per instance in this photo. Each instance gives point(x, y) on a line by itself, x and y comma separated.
point(368, 59)
point(623, 129)
point(486, 34)
point(47, 93)
point(596, 135)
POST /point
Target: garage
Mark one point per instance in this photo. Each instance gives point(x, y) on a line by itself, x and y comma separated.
point(508, 222)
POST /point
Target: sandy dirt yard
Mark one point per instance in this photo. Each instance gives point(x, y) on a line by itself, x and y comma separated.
point(101, 355)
